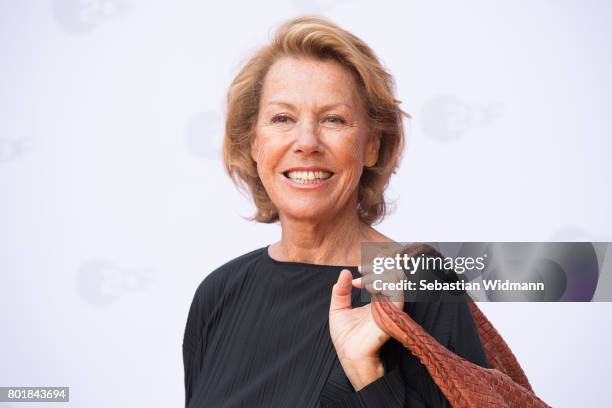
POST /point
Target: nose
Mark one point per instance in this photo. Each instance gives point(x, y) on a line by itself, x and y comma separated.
point(307, 138)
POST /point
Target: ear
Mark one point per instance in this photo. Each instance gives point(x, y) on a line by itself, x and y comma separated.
point(371, 150)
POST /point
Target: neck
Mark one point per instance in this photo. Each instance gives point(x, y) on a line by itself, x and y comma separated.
point(333, 241)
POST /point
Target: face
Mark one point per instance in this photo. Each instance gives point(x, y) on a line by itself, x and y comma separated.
point(311, 139)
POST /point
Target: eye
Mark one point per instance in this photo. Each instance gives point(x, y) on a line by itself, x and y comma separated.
point(281, 118)
point(335, 120)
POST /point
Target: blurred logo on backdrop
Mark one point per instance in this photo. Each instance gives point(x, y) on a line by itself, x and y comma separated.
point(490, 271)
point(12, 148)
point(574, 233)
point(447, 118)
point(83, 16)
point(100, 282)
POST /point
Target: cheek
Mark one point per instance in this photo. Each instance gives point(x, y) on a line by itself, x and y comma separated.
point(264, 164)
point(269, 154)
point(350, 155)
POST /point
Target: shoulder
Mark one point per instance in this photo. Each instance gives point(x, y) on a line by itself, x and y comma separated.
point(210, 292)
point(220, 278)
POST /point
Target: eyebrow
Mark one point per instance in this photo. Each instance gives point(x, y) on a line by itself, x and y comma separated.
point(323, 108)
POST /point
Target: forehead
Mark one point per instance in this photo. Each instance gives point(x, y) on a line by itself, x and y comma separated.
point(307, 81)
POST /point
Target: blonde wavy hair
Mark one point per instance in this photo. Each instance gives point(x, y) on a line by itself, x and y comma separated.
point(318, 38)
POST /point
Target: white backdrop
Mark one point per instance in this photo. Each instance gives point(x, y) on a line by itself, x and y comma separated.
point(115, 206)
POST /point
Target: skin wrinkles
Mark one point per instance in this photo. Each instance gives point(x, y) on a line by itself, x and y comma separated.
point(310, 115)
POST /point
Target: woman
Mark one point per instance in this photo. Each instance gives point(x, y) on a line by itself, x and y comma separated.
point(313, 133)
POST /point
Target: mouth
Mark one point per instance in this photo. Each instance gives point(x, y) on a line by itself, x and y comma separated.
point(308, 176)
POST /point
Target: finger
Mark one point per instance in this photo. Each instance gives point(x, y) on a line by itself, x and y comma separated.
point(366, 282)
point(387, 284)
point(341, 292)
point(365, 268)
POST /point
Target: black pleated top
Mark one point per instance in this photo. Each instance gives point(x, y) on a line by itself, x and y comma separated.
point(257, 335)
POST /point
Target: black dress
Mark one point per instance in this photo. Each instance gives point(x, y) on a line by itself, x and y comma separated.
point(257, 335)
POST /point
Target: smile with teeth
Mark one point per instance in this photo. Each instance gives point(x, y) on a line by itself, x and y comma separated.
point(308, 177)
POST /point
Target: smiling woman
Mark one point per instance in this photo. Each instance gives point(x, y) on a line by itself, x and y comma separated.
point(315, 79)
point(313, 133)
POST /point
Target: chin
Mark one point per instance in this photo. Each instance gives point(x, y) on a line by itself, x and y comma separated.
point(308, 213)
